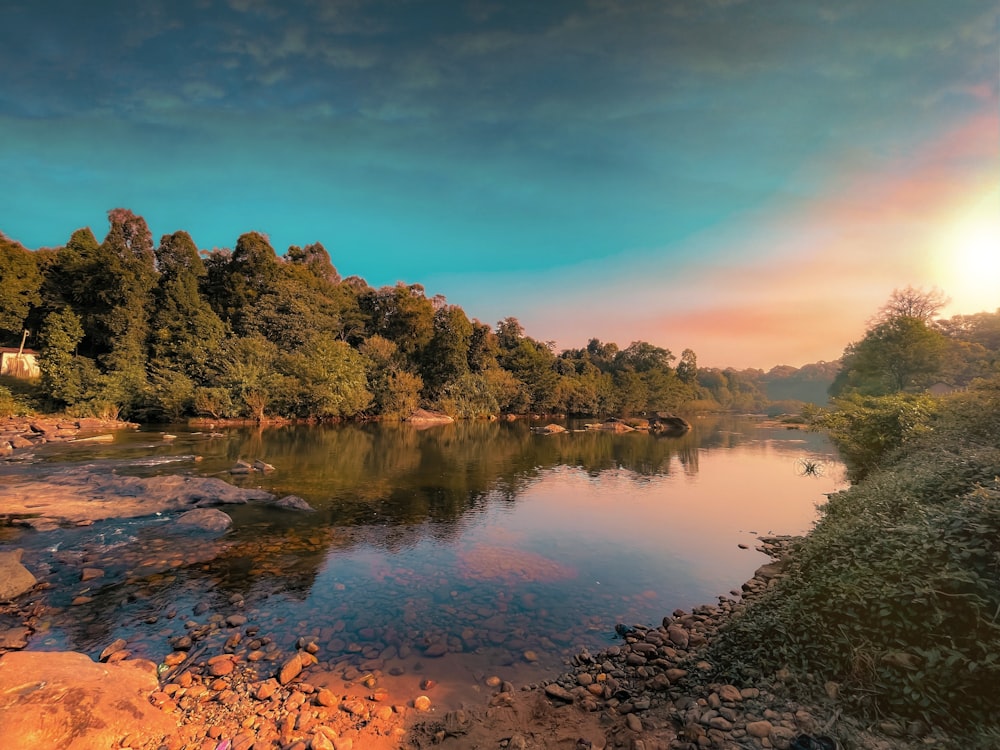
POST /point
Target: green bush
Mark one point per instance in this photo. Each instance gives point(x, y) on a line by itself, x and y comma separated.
point(896, 592)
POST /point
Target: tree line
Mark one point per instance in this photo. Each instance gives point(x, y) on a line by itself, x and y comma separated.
point(166, 331)
point(162, 332)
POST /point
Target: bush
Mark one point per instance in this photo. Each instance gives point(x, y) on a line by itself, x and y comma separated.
point(896, 592)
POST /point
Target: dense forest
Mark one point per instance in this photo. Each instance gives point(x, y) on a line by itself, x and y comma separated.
point(168, 331)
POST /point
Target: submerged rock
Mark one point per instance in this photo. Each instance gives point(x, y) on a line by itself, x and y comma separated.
point(206, 519)
point(294, 502)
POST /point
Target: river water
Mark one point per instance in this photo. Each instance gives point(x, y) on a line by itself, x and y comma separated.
point(503, 547)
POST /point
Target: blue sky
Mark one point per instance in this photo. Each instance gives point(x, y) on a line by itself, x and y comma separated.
point(749, 179)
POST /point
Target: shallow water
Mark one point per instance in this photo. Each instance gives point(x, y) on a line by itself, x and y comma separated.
point(509, 548)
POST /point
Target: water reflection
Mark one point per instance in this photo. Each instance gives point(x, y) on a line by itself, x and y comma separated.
point(481, 539)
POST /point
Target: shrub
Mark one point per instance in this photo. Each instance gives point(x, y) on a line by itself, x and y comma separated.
point(896, 592)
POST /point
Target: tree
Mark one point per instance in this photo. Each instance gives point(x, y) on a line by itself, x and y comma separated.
point(898, 355)
point(446, 358)
point(912, 303)
point(402, 314)
point(235, 282)
point(19, 289)
point(185, 331)
point(687, 368)
point(64, 375)
point(331, 379)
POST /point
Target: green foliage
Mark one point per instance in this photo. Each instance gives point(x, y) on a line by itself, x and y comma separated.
point(330, 379)
point(896, 593)
point(19, 290)
point(868, 429)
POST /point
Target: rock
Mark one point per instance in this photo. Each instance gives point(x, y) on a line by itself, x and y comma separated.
point(115, 647)
point(65, 700)
point(759, 729)
point(206, 519)
point(422, 703)
point(634, 722)
point(423, 416)
point(265, 690)
point(730, 693)
point(554, 690)
point(294, 502)
point(549, 429)
point(436, 650)
point(678, 635)
point(261, 466)
point(14, 638)
point(15, 579)
point(84, 494)
point(291, 669)
point(90, 574)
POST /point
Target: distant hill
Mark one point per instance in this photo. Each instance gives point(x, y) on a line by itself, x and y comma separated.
point(808, 383)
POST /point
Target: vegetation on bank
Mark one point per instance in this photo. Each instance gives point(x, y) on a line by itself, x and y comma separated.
point(161, 332)
point(895, 595)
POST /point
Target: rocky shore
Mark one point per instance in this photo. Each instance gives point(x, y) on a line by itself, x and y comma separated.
point(225, 684)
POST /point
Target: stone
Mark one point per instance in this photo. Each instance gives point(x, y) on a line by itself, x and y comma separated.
point(14, 638)
point(290, 669)
point(294, 502)
point(730, 693)
point(436, 650)
point(678, 635)
point(634, 722)
point(66, 700)
point(554, 690)
point(89, 574)
point(265, 690)
point(115, 646)
point(759, 729)
point(422, 703)
point(206, 519)
point(15, 579)
point(325, 697)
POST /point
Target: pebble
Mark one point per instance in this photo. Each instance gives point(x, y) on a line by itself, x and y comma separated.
point(422, 703)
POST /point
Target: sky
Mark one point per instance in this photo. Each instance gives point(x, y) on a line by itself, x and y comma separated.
point(750, 179)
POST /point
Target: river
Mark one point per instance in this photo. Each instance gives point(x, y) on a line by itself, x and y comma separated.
point(484, 541)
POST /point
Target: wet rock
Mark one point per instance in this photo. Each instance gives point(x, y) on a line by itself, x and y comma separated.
point(14, 638)
point(206, 519)
point(294, 502)
point(90, 574)
point(115, 646)
point(15, 579)
point(422, 703)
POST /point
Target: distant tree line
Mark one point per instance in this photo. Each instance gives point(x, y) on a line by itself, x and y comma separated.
point(166, 331)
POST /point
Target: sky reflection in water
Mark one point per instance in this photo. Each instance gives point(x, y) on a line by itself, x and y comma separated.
point(486, 537)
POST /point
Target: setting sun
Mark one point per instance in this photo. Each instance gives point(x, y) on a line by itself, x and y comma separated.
point(969, 264)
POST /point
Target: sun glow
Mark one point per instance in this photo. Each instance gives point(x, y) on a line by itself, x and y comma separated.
point(969, 259)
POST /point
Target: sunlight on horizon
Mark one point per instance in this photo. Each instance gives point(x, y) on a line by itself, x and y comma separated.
point(968, 260)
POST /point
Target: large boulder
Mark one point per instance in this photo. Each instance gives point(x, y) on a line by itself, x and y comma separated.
point(15, 579)
point(64, 700)
point(82, 494)
point(423, 416)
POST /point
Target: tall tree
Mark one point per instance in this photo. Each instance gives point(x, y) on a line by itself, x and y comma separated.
point(186, 332)
point(130, 275)
point(446, 356)
point(20, 282)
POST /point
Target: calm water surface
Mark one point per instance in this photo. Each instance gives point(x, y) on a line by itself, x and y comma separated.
point(484, 537)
